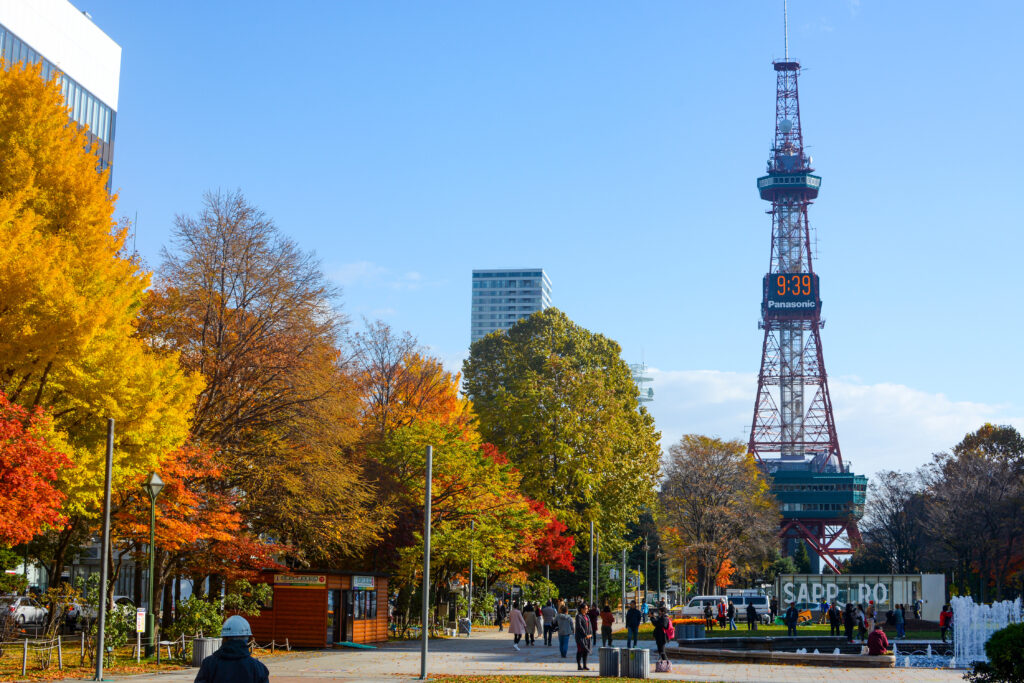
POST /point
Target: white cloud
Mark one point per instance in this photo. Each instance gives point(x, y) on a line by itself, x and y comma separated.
point(369, 274)
point(880, 426)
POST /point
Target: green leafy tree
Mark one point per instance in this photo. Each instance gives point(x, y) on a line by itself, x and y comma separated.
point(195, 615)
point(560, 401)
point(801, 559)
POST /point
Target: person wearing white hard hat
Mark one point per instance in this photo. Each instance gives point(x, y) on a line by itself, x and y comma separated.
point(233, 663)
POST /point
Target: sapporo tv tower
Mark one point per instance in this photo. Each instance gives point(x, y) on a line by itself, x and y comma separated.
point(794, 441)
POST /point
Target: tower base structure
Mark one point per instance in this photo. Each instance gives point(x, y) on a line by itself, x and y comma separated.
point(820, 508)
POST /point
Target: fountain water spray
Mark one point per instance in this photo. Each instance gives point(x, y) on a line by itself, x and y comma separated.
point(974, 624)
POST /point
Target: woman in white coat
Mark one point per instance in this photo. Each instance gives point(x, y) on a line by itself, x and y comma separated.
point(516, 624)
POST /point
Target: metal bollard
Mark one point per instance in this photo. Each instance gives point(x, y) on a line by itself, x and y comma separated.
point(82, 663)
point(24, 659)
point(60, 655)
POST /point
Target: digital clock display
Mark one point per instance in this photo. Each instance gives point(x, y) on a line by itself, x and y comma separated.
point(788, 295)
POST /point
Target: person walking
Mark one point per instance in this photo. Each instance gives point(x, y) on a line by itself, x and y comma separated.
point(550, 614)
point(499, 615)
point(791, 618)
point(878, 644)
point(607, 619)
point(730, 614)
point(751, 617)
point(565, 627)
point(633, 620)
point(918, 605)
point(945, 621)
point(849, 620)
point(661, 625)
point(835, 619)
point(900, 622)
point(233, 663)
point(530, 618)
point(584, 631)
point(516, 624)
point(773, 609)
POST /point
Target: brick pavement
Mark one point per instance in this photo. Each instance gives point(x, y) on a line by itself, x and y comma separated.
point(490, 652)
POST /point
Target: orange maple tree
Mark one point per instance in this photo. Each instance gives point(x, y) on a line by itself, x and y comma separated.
point(29, 465)
point(199, 530)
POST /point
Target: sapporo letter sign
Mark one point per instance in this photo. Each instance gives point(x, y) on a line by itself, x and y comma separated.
point(307, 580)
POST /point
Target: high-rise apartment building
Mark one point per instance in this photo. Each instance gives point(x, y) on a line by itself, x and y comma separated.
point(503, 296)
point(63, 39)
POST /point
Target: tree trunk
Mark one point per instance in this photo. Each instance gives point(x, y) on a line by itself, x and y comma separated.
point(216, 587)
point(199, 586)
point(165, 617)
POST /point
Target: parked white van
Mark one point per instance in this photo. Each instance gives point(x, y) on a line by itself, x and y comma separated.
point(695, 607)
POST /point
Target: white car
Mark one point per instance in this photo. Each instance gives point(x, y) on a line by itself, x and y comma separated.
point(23, 609)
point(83, 611)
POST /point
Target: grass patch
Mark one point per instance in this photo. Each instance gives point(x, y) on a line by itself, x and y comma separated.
point(10, 666)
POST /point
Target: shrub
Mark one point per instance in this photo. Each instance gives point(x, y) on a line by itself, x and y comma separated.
point(1005, 650)
point(195, 616)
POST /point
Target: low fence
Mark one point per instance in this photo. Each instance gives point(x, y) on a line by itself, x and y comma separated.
point(42, 654)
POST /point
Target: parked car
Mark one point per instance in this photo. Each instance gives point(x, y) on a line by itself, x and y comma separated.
point(89, 612)
point(23, 609)
point(695, 607)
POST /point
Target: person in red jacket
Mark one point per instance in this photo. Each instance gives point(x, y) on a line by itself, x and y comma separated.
point(945, 620)
point(878, 644)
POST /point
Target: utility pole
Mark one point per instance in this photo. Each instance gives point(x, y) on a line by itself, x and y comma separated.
point(426, 560)
point(623, 585)
point(591, 601)
point(469, 609)
point(104, 553)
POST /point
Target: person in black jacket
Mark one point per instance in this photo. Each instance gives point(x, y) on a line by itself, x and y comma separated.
point(848, 621)
point(233, 663)
point(499, 615)
point(633, 619)
point(791, 619)
point(751, 617)
point(835, 619)
point(584, 630)
point(661, 622)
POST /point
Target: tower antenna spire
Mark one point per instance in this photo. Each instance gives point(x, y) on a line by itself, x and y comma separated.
point(785, 21)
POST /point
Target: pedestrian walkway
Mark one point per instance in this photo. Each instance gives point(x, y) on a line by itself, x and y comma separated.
point(489, 652)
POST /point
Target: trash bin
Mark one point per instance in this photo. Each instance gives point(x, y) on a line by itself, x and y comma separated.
point(639, 663)
point(465, 625)
point(623, 663)
point(203, 648)
point(608, 661)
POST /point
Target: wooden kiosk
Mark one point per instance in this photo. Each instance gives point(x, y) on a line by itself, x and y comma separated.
point(323, 607)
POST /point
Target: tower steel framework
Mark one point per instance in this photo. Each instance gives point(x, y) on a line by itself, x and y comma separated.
point(794, 441)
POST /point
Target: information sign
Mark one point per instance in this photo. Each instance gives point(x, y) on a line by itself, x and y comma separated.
point(362, 583)
point(309, 580)
point(140, 619)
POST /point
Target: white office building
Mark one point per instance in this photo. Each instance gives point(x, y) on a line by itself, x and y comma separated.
point(65, 40)
point(503, 296)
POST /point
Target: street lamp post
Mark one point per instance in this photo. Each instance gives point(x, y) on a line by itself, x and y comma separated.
point(659, 556)
point(647, 583)
point(153, 485)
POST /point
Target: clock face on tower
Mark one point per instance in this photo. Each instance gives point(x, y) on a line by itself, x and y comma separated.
point(790, 295)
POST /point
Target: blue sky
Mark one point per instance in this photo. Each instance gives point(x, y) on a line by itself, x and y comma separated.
point(617, 146)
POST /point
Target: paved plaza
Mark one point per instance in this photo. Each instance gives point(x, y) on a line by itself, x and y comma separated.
point(489, 652)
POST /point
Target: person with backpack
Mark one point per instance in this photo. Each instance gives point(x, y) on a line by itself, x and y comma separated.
point(233, 663)
point(662, 624)
point(565, 629)
point(709, 619)
point(550, 614)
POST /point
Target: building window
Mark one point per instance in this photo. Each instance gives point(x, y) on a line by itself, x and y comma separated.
point(365, 605)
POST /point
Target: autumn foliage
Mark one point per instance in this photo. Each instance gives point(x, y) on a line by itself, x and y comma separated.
point(29, 465)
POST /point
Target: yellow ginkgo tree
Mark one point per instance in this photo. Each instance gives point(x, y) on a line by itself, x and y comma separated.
point(69, 298)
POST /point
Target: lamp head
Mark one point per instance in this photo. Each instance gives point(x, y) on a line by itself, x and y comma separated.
point(153, 485)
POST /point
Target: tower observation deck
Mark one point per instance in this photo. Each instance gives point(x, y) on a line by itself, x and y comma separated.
point(794, 440)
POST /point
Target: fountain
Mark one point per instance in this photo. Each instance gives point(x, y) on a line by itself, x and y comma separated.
point(974, 624)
